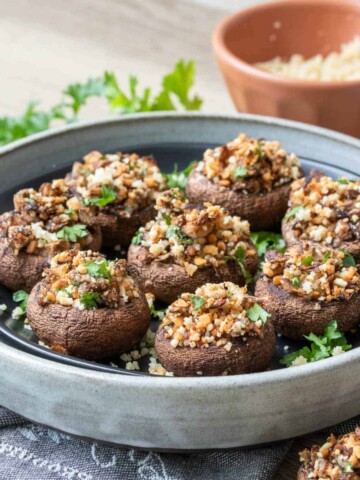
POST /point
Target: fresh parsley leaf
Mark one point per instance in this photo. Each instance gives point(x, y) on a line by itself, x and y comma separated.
point(256, 312)
point(342, 180)
point(90, 300)
point(71, 234)
point(98, 269)
point(326, 257)
point(21, 297)
point(320, 346)
point(258, 152)
point(175, 231)
point(197, 301)
point(348, 468)
point(157, 312)
point(167, 218)
point(349, 260)
point(240, 256)
point(240, 172)
point(108, 195)
point(265, 241)
point(136, 240)
point(79, 93)
point(293, 212)
point(308, 260)
point(296, 282)
point(178, 178)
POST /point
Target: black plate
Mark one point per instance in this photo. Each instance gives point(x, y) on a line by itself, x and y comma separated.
point(166, 155)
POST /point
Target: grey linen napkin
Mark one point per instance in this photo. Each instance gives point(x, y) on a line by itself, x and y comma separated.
point(32, 452)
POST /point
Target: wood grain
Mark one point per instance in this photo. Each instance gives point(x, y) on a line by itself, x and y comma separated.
point(48, 44)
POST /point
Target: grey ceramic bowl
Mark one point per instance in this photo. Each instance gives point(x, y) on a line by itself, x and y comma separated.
point(176, 413)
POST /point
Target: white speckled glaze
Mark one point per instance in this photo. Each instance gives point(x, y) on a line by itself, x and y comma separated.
point(176, 413)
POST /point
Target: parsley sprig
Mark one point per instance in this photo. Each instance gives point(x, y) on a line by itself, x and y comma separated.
point(197, 301)
point(21, 297)
point(265, 241)
point(90, 300)
point(256, 313)
point(108, 195)
point(178, 178)
point(136, 240)
point(100, 269)
point(320, 346)
point(175, 231)
point(293, 212)
point(240, 257)
point(72, 233)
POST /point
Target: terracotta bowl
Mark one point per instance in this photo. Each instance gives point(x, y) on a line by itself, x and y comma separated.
point(280, 29)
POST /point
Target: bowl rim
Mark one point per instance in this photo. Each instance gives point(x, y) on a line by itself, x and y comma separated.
point(223, 52)
point(182, 383)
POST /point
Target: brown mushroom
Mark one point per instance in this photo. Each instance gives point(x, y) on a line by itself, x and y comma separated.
point(296, 312)
point(248, 177)
point(92, 333)
point(116, 192)
point(245, 346)
point(185, 247)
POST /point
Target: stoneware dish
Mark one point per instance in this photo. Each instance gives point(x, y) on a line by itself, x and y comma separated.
point(309, 27)
point(165, 413)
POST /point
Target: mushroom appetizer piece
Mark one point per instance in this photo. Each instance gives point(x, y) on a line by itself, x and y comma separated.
point(117, 192)
point(42, 224)
point(221, 330)
point(305, 289)
point(184, 247)
point(248, 177)
point(326, 212)
point(87, 306)
point(338, 458)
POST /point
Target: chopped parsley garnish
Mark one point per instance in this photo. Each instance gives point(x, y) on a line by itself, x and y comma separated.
point(136, 240)
point(108, 195)
point(71, 234)
point(178, 178)
point(296, 282)
point(240, 172)
point(326, 257)
point(240, 256)
point(258, 152)
point(256, 312)
point(175, 231)
point(98, 269)
point(293, 212)
point(90, 300)
point(343, 181)
point(348, 468)
point(69, 211)
point(265, 241)
point(307, 260)
point(21, 297)
point(167, 218)
point(320, 346)
point(157, 312)
point(349, 260)
point(197, 301)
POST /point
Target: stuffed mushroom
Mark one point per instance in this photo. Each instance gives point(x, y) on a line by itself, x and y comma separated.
point(305, 288)
point(117, 192)
point(185, 247)
point(220, 330)
point(325, 212)
point(248, 177)
point(338, 458)
point(42, 224)
point(87, 306)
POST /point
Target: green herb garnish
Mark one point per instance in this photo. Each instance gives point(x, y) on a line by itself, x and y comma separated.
point(108, 195)
point(157, 312)
point(90, 300)
point(256, 312)
point(167, 218)
point(349, 260)
point(197, 301)
point(175, 231)
point(308, 260)
point(342, 181)
point(265, 241)
point(178, 178)
point(240, 172)
point(21, 297)
point(71, 234)
point(293, 212)
point(296, 282)
point(320, 346)
point(98, 269)
point(348, 468)
point(240, 256)
point(136, 240)
point(326, 257)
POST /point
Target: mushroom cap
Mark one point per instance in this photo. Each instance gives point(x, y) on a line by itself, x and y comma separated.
point(263, 211)
point(23, 270)
point(294, 316)
point(89, 334)
point(167, 280)
point(291, 239)
point(116, 230)
point(252, 355)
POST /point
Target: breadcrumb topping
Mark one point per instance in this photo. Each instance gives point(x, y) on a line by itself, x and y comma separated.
point(250, 165)
point(194, 238)
point(313, 272)
point(132, 182)
point(215, 315)
point(324, 210)
point(338, 458)
point(44, 220)
point(86, 280)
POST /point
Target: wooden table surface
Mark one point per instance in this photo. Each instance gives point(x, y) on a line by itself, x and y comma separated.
point(47, 44)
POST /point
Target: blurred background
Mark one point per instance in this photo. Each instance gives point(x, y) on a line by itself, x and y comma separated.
point(47, 44)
